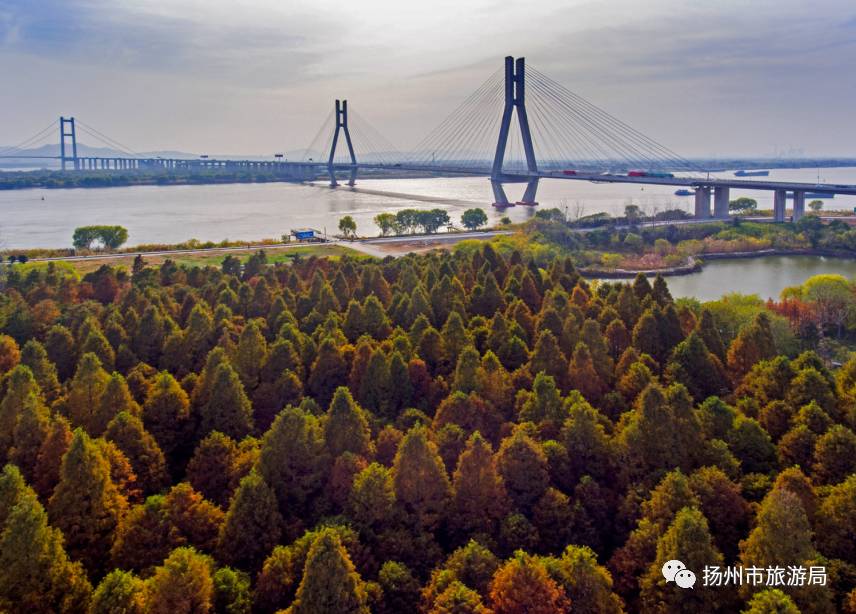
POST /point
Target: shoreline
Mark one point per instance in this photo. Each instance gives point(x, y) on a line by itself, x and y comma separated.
point(696, 264)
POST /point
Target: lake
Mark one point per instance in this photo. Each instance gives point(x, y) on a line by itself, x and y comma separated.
point(766, 276)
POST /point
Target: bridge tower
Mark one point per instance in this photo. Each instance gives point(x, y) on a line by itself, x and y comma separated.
point(67, 130)
point(515, 98)
point(342, 124)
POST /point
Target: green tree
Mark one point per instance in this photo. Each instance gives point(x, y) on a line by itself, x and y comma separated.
point(523, 466)
point(147, 460)
point(251, 355)
point(836, 516)
point(346, 428)
point(815, 205)
point(706, 328)
point(458, 599)
point(473, 218)
point(253, 524)
point(587, 584)
point(49, 461)
point(294, 461)
point(400, 588)
point(183, 584)
point(232, 592)
point(119, 591)
point(771, 601)
point(376, 388)
point(36, 574)
point(59, 344)
point(479, 501)
point(663, 432)
point(31, 431)
point(330, 583)
point(115, 399)
point(86, 505)
point(348, 226)
point(34, 356)
point(328, 372)
point(695, 367)
point(835, 455)
point(687, 540)
point(84, 396)
point(753, 344)
point(166, 413)
point(108, 237)
point(421, 485)
point(782, 533)
point(545, 402)
point(372, 497)
point(743, 205)
point(228, 409)
point(97, 343)
point(214, 467)
point(386, 222)
point(20, 386)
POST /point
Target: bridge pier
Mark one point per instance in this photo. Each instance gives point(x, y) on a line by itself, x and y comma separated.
point(499, 197)
point(799, 205)
point(779, 204)
point(720, 202)
point(529, 193)
point(702, 202)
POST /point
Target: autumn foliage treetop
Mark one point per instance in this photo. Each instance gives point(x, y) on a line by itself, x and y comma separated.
point(453, 432)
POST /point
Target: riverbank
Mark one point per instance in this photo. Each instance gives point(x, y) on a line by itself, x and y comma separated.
point(692, 266)
point(696, 265)
point(377, 247)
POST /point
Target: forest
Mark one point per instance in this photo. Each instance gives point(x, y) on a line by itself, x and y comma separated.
point(458, 432)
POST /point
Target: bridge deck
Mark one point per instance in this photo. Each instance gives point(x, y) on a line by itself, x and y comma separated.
point(508, 177)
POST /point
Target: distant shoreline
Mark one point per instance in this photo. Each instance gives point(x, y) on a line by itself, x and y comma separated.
point(51, 179)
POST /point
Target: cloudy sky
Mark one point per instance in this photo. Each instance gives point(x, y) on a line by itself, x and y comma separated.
point(756, 77)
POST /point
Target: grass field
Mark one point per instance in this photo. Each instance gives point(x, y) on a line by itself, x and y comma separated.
point(214, 257)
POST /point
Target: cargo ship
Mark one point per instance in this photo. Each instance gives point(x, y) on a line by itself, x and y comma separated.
point(752, 174)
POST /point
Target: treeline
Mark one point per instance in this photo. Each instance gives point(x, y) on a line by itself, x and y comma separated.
point(113, 178)
point(461, 432)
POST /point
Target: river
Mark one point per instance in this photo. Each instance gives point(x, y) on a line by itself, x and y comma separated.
point(171, 214)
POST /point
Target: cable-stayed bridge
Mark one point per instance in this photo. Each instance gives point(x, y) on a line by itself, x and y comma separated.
point(519, 126)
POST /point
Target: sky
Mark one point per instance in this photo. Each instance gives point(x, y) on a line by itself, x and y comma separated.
point(752, 78)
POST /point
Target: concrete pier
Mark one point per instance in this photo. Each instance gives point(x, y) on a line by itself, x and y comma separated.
point(799, 204)
point(720, 202)
point(702, 202)
point(779, 204)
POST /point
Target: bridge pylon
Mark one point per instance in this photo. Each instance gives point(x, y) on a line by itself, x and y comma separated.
point(67, 130)
point(515, 98)
point(342, 125)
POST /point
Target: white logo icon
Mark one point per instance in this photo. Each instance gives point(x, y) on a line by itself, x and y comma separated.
point(676, 571)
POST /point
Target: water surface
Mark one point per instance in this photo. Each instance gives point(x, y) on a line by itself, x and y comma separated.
point(170, 214)
point(766, 276)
